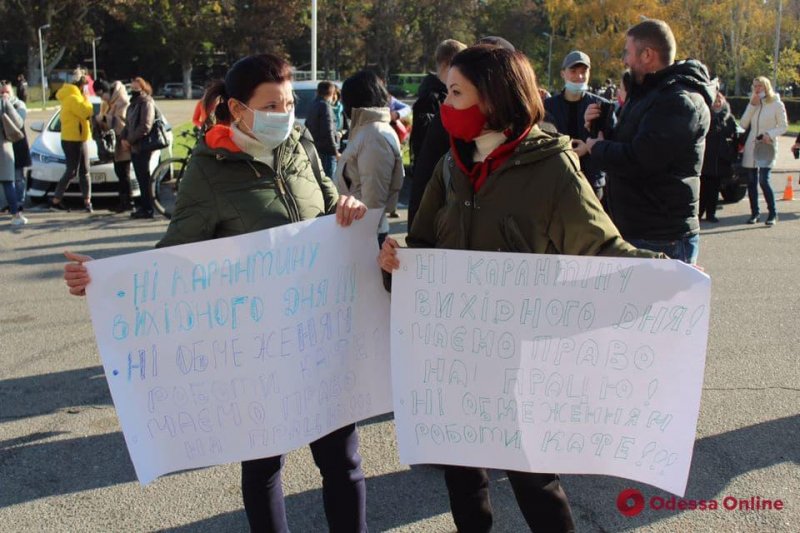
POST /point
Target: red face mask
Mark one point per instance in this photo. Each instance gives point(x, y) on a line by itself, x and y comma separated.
point(463, 124)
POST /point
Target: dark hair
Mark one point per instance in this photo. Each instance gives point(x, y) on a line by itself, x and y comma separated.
point(496, 41)
point(655, 34)
point(144, 84)
point(101, 86)
point(241, 82)
point(325, 88)
point(506, 85)
point(363, 89)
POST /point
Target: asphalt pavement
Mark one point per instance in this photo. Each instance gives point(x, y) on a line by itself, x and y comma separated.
point(64, 465)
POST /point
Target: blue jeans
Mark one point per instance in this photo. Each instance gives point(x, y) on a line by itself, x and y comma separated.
point(10, 190)
point(760, 176)
point(19, 180)
point(328, 164)
point(686, 248)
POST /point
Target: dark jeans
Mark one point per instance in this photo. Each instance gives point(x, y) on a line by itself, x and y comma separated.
point(77, 155)
point(141, 167)
point(22, 186)
point(123, 171)
point(328, 164)
point(760, 176)
point(344, 492)
point(685, 249)
point(540, 497)
point(10, 190)
point(709, 194)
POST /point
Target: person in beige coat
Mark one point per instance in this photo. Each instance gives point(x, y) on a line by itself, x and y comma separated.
point(371, 167)
point(765, 117)
point(112, 117)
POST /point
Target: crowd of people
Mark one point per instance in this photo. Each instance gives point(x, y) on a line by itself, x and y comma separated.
point(496, 168)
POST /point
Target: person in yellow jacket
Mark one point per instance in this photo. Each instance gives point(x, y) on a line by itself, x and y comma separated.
point(76, 110)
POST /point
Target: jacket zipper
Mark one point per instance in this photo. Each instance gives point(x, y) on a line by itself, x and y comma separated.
point(286, 194)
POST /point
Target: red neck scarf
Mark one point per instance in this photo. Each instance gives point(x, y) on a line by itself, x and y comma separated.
point(480, 171)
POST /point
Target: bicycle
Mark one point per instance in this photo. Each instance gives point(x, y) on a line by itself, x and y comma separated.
point(167, 176)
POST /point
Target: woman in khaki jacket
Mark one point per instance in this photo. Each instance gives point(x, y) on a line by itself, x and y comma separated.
point(505, 185)
point(112, 117)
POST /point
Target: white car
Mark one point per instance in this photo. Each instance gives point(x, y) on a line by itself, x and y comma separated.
point(49, 162)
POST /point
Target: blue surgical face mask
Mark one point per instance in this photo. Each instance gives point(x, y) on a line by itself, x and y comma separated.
point(271, 129)
point(576, 88)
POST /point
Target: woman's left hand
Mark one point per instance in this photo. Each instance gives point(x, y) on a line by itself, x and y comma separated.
point(349, 209)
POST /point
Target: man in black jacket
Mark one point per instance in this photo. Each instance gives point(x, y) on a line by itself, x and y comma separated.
point(654, 158)
point(565, 111)
point(321, 125)
point(429, 140)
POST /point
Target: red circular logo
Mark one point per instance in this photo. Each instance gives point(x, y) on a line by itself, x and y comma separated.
point(630, 502)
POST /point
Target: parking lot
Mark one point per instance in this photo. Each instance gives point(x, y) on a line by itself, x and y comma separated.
point(64, 465)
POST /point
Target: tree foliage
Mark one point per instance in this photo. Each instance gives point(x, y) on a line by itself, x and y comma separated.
point(160, 39)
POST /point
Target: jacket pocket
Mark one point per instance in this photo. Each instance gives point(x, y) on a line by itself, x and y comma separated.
point(513, 237)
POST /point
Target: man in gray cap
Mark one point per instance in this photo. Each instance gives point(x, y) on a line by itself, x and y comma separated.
point(566, 109)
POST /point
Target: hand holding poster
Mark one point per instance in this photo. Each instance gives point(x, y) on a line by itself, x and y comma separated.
point(544, 363)
point(243, 347)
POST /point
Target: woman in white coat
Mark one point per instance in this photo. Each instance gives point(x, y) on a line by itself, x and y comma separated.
point(371, 167)
point(765, 116)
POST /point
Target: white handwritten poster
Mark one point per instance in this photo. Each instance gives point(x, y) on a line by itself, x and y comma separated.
point(540, 363)
point(243, 347)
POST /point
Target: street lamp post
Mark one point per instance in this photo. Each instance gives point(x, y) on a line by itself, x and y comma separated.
point(777, 45)
point(94, 57)
point(313, 40)
point(549, 57)
point(41, 65)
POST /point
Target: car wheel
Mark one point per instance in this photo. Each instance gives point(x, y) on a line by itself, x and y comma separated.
point(733, 192)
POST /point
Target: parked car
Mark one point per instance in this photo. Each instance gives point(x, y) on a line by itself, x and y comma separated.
point(49, 162)
point(177, 90)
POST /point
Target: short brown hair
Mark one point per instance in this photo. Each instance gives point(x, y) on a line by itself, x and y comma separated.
point(143, 83)
point(325, 88)
point(655, 34)
point(506, 84)
point(446, 50)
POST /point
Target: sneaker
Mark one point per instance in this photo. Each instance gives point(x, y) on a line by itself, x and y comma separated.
point(58, 206)
point(753, 219)
point(394, 214)
point(88, 208)
point(771, 220)
point(712, 218)
point(19, 220)
point(141, 214)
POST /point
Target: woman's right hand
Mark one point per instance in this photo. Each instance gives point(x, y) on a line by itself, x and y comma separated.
point(387, 259)
point(75, 273)
point(754, 99)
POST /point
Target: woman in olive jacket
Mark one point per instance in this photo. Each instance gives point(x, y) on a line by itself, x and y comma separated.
point(252, 172)
point(505, 185)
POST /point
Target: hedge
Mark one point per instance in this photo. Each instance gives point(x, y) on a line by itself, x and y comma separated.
point(739, 103)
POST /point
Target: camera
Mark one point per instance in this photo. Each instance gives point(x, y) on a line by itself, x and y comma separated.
point(600, 123)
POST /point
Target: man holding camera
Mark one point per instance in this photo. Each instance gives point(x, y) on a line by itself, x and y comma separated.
point(654, 156)
point(566, 110)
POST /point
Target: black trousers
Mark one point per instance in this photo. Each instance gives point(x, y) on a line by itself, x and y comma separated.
point(123, 171)
point(77, 155)
point(141, 167)
point(709, 195)
point(344, 492)
point(540, 497)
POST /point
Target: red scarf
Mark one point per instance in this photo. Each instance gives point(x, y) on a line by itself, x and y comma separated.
point(480, 170)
